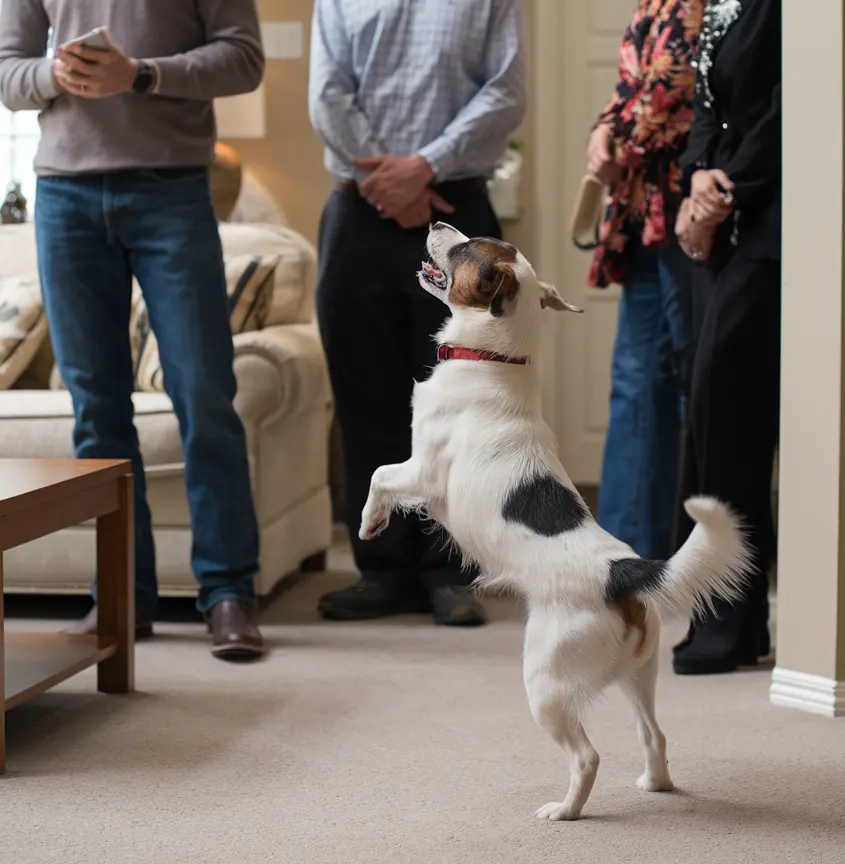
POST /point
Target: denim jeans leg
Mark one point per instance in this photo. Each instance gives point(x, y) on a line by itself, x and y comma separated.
point(86, 283)
point(172, 236)
point(668, 409)
point(676, 273)
point(640, 466)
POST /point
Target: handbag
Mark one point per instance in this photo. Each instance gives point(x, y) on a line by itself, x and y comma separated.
point(587, 212)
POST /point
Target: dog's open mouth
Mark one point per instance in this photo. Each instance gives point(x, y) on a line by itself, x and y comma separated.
point(433, 276)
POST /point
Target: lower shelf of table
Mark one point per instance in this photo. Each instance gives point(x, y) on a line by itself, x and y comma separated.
point(35, 662)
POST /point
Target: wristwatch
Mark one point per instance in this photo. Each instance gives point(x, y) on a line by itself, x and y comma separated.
point(144, 78)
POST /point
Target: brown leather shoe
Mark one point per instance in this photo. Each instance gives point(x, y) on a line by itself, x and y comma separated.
point(88, 626)
point(234, 633)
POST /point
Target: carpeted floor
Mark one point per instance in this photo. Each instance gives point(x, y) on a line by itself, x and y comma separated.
point(398, 743)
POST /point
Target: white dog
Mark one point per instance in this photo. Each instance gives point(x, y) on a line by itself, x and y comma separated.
point(484, 465)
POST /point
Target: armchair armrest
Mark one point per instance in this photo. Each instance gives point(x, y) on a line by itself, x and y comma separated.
point(281, 371)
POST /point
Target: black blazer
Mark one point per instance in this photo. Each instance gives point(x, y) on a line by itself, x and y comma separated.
point(739, 131)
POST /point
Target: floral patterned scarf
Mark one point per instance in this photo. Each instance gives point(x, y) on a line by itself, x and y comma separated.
point(650, 116)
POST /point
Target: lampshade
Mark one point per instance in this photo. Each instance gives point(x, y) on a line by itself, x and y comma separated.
point(241, 116)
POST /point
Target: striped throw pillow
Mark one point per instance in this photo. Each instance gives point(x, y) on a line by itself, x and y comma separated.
point(249, 284)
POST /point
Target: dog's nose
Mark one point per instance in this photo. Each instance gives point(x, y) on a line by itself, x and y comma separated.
point(439, 226)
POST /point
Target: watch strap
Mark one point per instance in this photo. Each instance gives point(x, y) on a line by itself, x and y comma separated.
point(144, 78)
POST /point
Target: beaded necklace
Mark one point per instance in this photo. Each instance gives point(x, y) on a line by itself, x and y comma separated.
point(718, 16)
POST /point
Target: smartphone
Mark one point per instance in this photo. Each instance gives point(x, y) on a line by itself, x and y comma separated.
point(95, 39)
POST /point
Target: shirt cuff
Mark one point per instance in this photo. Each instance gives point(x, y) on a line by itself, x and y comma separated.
point(156, 76)
point(439, 156)
point(48, 89)
point(686, 178)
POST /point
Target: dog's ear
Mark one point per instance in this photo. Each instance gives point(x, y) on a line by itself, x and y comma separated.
point(505, 286)
point(550, 299)
point(489, 285)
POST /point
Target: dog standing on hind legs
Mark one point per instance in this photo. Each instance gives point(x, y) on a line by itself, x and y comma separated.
point(484, 465)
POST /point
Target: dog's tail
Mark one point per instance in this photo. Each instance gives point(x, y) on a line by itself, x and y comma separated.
point(713, 563)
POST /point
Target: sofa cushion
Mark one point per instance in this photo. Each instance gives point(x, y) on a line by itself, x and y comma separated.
point(249, 284)
point(40, 423)
point(23, 326)
point(296, 272)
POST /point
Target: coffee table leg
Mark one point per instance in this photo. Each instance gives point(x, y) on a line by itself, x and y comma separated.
point(116, 592)
point(2, 678)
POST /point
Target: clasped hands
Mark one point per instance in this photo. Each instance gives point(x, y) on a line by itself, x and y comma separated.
point(709, 205)
point(398, 187)
point(94, 73)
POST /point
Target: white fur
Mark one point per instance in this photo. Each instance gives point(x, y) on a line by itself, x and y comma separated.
point(477, 433)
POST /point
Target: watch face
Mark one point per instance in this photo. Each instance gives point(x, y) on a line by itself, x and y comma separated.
point(143, 80)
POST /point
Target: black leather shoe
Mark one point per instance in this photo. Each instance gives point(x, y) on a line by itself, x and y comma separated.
point(368, 600)
point(457, 606)
point(736, 636)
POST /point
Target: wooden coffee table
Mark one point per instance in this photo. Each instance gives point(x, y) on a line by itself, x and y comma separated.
point(39, 497)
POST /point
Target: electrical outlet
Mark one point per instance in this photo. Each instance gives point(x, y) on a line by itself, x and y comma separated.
point(283, 40)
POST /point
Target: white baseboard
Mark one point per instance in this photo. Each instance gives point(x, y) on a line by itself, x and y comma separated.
point(811, 693)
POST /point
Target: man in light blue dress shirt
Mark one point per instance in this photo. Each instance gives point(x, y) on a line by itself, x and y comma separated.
point(415, 101)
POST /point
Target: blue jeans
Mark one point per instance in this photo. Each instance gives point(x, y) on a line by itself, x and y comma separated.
point(639, 482)
point(93, 233)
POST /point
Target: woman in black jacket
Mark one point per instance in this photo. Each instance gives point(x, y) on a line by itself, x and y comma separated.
point(730, 224)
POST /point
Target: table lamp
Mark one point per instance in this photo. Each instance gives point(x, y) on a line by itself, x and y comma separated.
point(238, 117)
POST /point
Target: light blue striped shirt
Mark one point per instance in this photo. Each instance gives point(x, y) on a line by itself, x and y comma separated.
point(444, 79)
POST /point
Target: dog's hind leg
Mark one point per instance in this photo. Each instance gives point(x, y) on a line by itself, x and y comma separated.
point(393, 487)
point(563, 725)
point(640, 687)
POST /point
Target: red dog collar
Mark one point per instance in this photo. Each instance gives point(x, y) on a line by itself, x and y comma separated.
point(452, 352)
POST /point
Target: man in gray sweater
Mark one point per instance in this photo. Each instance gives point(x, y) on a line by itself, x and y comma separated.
point(127, 137)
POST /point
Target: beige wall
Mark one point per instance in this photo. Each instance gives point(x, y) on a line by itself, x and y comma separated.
point(289, 161)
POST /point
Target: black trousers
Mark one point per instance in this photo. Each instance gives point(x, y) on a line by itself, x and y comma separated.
point(734, 396)
point(377, 324)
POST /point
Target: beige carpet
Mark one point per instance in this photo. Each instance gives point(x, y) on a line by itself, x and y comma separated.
point(400, 743)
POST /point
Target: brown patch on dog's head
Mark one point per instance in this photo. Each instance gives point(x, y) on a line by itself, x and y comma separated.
point(633, 613)
point(483, 276)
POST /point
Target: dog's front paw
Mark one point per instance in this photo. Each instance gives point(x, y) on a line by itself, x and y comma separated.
point(649, 782)
point(372, 525)
point(555, 811)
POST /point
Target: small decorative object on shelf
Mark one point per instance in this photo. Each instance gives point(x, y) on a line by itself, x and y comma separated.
point(13, 211)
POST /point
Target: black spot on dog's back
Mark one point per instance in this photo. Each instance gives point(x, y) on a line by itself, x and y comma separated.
point(630, 577)
point(545, 506)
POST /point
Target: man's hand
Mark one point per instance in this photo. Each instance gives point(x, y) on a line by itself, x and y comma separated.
point(709, 204)
point(417, 214)
point(600, 159)
point(94, 73)
point(395, 182)
point(420, 212)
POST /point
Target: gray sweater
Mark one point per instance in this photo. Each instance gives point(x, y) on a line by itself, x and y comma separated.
point(202, 49)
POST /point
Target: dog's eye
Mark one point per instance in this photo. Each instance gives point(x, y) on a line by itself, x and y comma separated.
point(458, 251)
